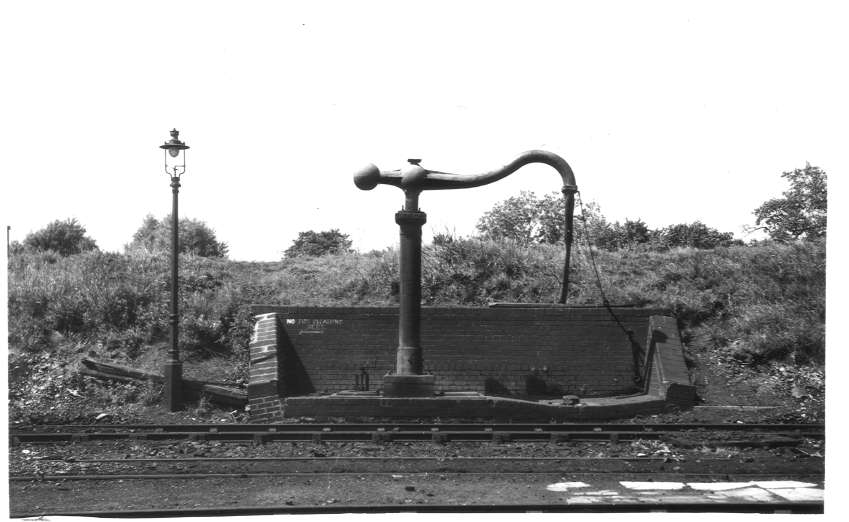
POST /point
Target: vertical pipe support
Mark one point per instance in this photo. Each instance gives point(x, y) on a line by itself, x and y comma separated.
point(409, 357)
point(569, 196)
point(173, 367)
point(409, 379)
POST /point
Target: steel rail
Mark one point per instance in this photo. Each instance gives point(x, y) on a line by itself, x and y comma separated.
point(385, 432)
point(445, 436)
point(778, 438)
point(363, 459)
point(377, 426)
point(740, 477)
point(619, 507)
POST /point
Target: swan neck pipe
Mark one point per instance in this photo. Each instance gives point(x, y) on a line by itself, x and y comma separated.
point(416, 178)
point(526, 158)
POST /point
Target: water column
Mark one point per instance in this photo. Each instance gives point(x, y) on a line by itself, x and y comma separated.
point(408, 380)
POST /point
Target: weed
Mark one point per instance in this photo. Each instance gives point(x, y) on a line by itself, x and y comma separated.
point(755, 304)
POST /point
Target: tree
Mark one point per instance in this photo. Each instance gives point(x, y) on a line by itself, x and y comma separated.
point(801, 212)
point(593, 228)
point(63, 237)
point(613, 236)
point(16, 248)
point(311, 243)
point(149, 235)
point(635, 232)
point(517, 219)
point(694, 235)
point(526, 219)
point(195, 237)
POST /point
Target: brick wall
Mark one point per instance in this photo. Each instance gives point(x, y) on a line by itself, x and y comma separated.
point(511, 351)
point(264, 389)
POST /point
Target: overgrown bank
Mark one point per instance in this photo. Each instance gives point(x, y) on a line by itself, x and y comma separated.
point(751, 309)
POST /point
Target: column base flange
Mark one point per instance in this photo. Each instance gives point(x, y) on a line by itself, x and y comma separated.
point(173, 371)
point(408, 385)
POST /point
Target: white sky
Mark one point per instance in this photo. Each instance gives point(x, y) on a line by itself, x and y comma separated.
point(667, 111)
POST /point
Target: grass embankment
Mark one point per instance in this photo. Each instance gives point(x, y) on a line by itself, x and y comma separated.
point(748, 313)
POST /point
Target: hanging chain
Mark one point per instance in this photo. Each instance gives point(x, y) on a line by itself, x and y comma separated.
point(589, 248)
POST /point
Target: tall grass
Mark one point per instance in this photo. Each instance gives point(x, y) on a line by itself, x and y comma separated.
point(758, 303)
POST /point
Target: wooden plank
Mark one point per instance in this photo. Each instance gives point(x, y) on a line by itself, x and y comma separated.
point(191, 388)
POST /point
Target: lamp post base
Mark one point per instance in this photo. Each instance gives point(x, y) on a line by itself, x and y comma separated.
point(408, 385)
point(174, 385)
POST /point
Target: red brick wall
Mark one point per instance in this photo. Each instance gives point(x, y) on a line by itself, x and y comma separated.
point(523, 352)
point(264, 384)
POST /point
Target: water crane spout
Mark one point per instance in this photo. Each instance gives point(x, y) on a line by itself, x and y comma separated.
point(414, 179)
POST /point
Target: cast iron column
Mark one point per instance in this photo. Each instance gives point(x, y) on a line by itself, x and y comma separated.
point(409, 379)
point(409, 359)
point(569, 195)
point(173, 366)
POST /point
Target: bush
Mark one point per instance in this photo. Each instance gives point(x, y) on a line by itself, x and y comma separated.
point(628, 235)
point(758, 304)
point(194, 237)
point(779, 331)
point(63, 237)
point(326, 242)
point(525, 219)
point(694, 235)
point(80, 295)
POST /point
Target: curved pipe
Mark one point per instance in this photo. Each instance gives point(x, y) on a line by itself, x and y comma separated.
point(416, 178)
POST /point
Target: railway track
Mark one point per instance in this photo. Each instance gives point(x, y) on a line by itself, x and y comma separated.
point(389, 432)
point(811, 508)
point(81, 476)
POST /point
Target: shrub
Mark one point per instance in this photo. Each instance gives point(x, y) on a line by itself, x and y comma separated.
point(326, 242)
point(471, 271)
point(758, 303)
point(779, 331)
point(194, 237)
point(63, 237)
point(694, 235)
point(628, 235)
point(527, 219)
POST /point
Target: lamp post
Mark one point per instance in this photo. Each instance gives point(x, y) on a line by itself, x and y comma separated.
point(175, 166)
